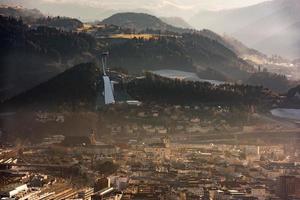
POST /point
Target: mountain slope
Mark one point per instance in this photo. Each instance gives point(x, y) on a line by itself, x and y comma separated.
point(189, 52)
point(140, 22)
point(285, 42)
point(31, 56)
point(155, 88)
point(256, 25)
point(231, 43)
point(35, 18)
point(176, 22)
point(272, 24)
point(231, 20)
point(77, 85)
point(63, 23)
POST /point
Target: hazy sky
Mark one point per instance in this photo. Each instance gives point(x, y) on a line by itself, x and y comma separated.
point(97, 9)
point(181, 4)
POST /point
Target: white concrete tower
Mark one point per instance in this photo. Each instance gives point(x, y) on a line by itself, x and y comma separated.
point(108, 88)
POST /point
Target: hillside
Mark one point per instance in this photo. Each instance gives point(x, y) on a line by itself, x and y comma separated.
point(140, 22)
point(31, 56)
point(74, 87)
point(233, 44)
point(257, 26)
point(35, 18)
point(189, 52)
point(79, 88)
point(154, 88)
point(176, 22)
point(285, 42)
point(231, 20)
point(275, 82)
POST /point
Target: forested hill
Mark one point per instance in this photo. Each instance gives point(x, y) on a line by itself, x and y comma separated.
point(188, 52)
point(80, 87)
point(140, 22)
point(154, 88)
point(72, 88)
point(31, 56)
point(63, 23)
point(276, 82)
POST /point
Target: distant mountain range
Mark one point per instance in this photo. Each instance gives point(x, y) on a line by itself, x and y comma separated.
point(271, 27)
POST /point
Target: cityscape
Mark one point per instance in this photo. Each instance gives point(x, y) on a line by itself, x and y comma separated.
point(154, 101)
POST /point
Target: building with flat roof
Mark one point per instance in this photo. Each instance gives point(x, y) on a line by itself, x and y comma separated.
point(12, 190)
point(86, 194)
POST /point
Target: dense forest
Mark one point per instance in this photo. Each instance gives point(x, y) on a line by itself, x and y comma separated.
point(137, 55)
point(30, 56)
point(77, 86)
point(276, 82)
point(63, 23)
point(80, 88)
point(188, 52)
point(154, 88)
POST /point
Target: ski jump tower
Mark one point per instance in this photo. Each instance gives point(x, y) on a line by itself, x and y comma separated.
point(108, 86)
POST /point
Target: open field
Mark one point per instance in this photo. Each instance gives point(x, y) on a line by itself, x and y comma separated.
point(131, 36)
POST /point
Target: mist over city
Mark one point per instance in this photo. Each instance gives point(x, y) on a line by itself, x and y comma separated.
point(149, 100)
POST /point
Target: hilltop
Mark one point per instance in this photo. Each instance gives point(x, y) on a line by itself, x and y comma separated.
point(140, 22)
point(62, 23)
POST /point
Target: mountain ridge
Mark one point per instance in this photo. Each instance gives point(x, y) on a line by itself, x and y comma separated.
point(176, 22)
point(255, 24)
point(140, 22)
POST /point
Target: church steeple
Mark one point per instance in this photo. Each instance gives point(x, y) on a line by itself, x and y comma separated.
point(93, 137)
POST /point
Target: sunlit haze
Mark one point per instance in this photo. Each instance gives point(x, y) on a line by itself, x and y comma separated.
point(82, 8)
point(150, 99)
